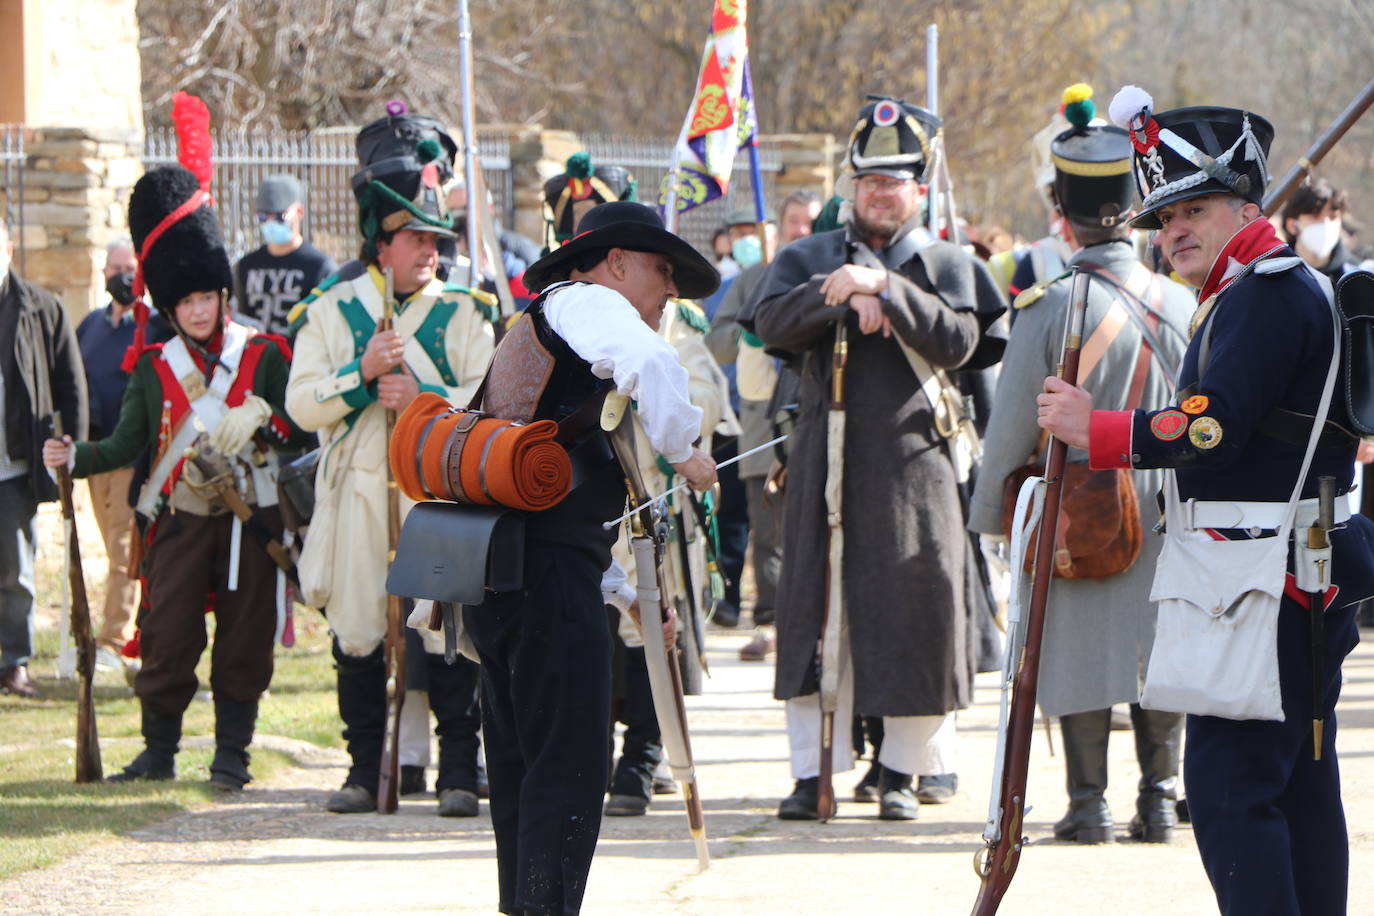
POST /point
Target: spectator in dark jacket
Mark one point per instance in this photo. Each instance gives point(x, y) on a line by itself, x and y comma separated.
point(40, 371)
point(1312, 224)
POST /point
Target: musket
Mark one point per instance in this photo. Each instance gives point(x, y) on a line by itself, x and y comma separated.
point(681, 518)
point(996, 863)
point(648, 533)
point(933, 106)
point(481, 227)
point(828, 648)
point(388, 781)
point(231, 497)
point(1296, 175)
point(88, 768)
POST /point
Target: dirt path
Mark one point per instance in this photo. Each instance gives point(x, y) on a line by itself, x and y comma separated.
point(275, 851)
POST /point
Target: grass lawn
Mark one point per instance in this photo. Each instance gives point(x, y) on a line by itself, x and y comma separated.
point(45, 816)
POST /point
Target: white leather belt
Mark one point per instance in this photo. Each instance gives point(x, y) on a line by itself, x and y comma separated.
point(1221, 514)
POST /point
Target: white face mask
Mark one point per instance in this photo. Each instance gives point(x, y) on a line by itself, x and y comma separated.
point(1321, 238)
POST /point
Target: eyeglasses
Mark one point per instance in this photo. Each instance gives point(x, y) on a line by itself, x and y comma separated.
point(272, 217)
point(873, 184)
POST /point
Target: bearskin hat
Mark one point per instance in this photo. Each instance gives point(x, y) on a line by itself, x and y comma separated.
point(189, 256)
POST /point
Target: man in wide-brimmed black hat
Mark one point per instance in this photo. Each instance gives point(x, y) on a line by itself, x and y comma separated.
point(545, 651)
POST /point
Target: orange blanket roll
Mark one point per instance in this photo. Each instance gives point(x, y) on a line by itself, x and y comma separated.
point(438, 451)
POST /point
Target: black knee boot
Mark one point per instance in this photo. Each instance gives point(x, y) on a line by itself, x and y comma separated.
point(1088, 820)
point(161, 740)
point(1158, 736)
point(234, 723)
point(362, 706)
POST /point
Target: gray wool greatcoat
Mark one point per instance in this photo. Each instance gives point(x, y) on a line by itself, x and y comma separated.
point(908, 570)
point(1098, 632)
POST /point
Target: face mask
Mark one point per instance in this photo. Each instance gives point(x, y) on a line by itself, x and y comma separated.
point(121, 288)
point(1321, 238)
point(747, 251)
point(277, 233)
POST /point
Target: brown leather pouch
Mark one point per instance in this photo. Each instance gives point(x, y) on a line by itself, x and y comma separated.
point(1099, 531)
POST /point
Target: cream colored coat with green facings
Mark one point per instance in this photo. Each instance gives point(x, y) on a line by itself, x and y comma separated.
point(344, 563)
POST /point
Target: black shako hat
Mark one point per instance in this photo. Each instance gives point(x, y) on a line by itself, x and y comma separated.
point(1189, 152)
point(1092, 164)
point(189, 256)
point(892, 138)
point(578, 188)
point(406, 160)
point(635, 227)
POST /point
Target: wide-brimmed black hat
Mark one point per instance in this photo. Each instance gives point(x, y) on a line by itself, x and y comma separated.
point(635, 227)
point(1189, 152)
point(892, 138)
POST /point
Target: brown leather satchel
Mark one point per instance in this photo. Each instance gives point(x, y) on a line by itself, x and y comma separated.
point(1099, 532)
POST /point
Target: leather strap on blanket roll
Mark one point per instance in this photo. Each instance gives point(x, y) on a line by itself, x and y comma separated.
point(497, 462)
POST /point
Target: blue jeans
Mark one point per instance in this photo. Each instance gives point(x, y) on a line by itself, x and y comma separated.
point(17, 512)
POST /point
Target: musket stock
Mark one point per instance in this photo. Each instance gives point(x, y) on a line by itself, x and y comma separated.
point(88, 767)
point(830, 644)
point(999, 859)
point(388, 780)
point(665, 677)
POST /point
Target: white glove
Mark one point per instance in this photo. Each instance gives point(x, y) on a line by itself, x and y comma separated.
point(238, 425)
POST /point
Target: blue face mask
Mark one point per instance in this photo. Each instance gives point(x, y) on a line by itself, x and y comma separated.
point(277, 233)
point(747, 251)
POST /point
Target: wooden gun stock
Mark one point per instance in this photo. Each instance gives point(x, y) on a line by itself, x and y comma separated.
point(88, 767)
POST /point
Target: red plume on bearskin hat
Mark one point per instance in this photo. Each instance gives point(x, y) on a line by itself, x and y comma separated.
point(174, 227)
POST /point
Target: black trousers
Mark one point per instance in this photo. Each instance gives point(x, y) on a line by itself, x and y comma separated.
point(546, 697)
point(733, 519)
point(641, 748)
point(1267, 818)
point(452, 691)
point(188, 561)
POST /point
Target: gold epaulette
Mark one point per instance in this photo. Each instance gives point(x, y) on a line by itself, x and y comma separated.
point(1036, 291)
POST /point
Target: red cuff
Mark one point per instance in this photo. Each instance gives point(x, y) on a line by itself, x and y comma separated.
point(1109, 439)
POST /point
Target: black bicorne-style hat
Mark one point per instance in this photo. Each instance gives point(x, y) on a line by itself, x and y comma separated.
point(892, 138)
point(406, 160)
point(189, 256)
point(1189, 152)
point(573, 192)
point(1092, 164)
point(635, 227)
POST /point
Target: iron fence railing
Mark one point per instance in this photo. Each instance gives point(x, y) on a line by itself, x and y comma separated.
point(323, 161)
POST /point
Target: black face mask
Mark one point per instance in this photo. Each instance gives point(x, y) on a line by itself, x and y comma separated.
point(121, 288)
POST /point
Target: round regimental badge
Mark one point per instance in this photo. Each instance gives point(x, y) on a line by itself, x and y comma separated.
point(885, 113)
point(1168, 425)
point(1205, 433)
point(1195, 405)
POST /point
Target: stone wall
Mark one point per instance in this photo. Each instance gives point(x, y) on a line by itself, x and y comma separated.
point(75, 200)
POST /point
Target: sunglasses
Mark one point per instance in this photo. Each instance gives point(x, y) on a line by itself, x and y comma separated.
point(272, 217)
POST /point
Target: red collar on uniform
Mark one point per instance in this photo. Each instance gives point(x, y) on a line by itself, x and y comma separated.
point(1255, 240)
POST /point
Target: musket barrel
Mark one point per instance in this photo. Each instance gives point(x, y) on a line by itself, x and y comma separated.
point(1286, 185)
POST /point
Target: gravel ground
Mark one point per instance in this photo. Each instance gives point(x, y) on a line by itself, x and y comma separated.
point(276, 851)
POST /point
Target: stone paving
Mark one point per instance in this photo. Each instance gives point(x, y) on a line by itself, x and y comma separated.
point(276, 851)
